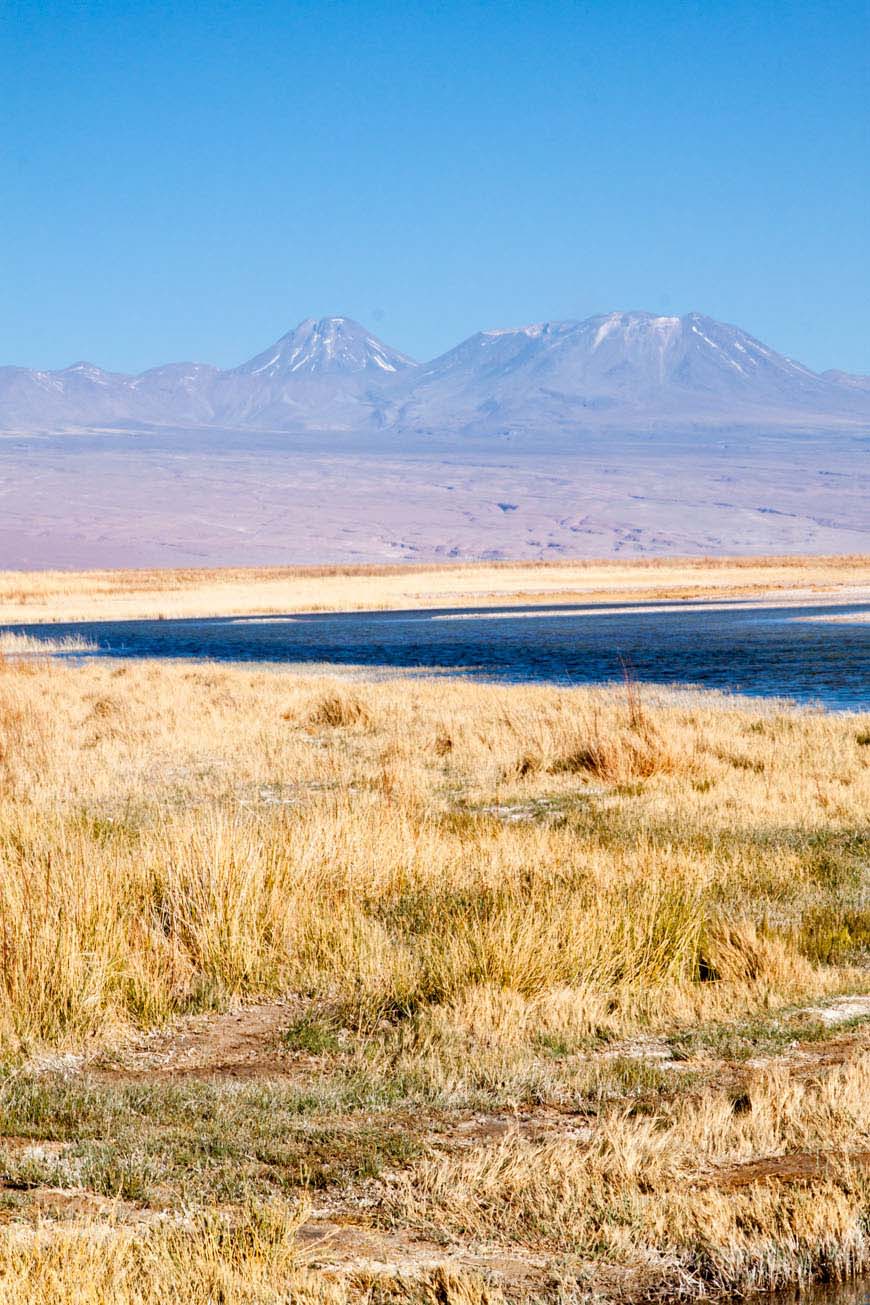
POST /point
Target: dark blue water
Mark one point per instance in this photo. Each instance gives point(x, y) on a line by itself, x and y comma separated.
point(731, 645)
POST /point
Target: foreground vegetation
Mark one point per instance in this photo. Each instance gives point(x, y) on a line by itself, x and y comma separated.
point(426, 990)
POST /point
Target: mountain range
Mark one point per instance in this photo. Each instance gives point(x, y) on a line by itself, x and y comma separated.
point(622, 371)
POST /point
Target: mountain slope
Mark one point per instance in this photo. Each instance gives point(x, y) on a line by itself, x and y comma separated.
point(327, 373)
point(333, 346)
point(623, 370)
point(846, 378)
point(619, 368)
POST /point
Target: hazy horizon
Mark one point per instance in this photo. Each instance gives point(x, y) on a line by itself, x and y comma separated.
point(186, 183)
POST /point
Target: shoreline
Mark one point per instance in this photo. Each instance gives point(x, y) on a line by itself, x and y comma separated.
point(45, 596)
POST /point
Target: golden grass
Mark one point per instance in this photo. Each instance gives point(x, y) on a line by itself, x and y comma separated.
point(17, 645)
point(199, 1261)
point(567, 1197)
point(172, 837)
point(477, 889)
point(645, 1189)
point(93, 595)
point(214, 1262)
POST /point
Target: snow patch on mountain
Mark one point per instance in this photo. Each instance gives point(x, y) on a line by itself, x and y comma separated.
point(328, 346)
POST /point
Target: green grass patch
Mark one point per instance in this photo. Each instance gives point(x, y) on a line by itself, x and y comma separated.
point(200, 1143)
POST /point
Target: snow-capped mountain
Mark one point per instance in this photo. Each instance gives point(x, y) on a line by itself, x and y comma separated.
point(76, 395)
point(84, 395)
point(325, 374)
point(329, 347)
point(624, 367)
point(622, 370)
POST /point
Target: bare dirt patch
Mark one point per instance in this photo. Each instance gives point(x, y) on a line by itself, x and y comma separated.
point(242, 1043)
point(344, 1248)
point(801, 1167)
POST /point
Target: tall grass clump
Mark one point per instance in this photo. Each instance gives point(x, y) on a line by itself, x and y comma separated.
point(338, 709)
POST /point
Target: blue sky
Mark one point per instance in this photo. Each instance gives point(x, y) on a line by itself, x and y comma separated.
point(183, 180)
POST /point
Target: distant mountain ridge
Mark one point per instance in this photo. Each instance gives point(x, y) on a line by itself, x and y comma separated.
point(620, 370)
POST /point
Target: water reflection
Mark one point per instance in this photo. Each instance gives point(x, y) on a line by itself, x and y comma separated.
point(839, 1293)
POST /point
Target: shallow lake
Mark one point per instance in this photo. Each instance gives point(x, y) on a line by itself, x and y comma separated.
point(811, 652)
point(837, 1293)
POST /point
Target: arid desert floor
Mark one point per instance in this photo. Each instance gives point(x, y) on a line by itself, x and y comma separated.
point(182, 498)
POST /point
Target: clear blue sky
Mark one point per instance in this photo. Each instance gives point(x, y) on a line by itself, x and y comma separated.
point(188, 180)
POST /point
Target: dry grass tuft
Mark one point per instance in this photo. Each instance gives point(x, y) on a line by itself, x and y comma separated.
point(213, 1258)
point(615, 747)
point(339, 709)
point(211, 1261)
